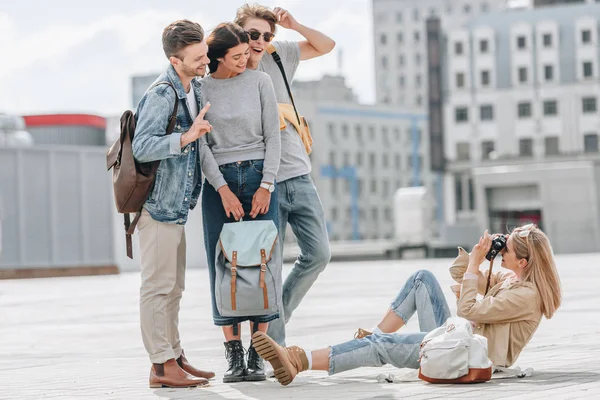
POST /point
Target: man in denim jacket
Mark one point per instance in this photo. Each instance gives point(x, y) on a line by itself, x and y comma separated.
point(176, 190)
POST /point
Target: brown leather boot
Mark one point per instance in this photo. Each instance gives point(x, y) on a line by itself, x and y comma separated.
point(171, 375)
point(187, 367)
point(287, 362)
point(361, 333)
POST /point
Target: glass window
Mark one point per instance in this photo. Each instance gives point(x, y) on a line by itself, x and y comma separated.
point(588, 69)
point(383, 39)
point(461, 114)
point(485, 78)
point(586, 36)
point(550, 107)
point(523, 74)
point(548, 72)
point(463, 151)
point(483, 46)
point(487, 147)
point(551, 145)
point(526, 147)
point(524, 110)
point(588, 105)
point(590, 143)
point(460, 80)
point(458, 48)
point(486, 112)
point(521, 42)
point(547, 40)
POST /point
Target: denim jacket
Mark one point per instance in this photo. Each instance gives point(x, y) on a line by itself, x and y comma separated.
point(178, 181)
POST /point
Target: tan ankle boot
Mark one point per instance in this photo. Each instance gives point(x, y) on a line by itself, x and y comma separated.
point(287, 362)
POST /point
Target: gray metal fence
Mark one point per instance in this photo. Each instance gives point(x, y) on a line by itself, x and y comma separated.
point(56, 208)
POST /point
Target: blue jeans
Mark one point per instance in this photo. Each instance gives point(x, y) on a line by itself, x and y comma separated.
point(421, 293)
point(243, 179)
point(300, 206)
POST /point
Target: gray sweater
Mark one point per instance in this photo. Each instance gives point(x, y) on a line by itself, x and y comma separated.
point(245, 121)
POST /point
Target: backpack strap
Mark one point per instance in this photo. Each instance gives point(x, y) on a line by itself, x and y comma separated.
point(273, 52)
point(130, 225)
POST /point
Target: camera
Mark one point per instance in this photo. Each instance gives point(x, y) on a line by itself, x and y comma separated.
point(498, 244)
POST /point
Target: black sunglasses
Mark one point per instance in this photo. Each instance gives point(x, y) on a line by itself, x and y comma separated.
point(254, 35)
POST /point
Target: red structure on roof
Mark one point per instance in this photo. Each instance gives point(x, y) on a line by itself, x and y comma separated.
point(65, 119)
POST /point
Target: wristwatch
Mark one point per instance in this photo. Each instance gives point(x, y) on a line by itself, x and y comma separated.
point(269, 186)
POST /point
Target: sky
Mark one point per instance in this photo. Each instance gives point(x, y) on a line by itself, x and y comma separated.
point(73, 56)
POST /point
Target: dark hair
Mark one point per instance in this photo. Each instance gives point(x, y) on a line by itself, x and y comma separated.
point(256, 11)
point(180, 34)
point(221, 39)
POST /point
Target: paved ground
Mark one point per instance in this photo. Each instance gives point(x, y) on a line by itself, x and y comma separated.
point(78, 338)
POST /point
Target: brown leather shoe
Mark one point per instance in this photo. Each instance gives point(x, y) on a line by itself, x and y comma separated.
point(287, 362)
point(171, 375)
point(187, 367)
point(361, 333)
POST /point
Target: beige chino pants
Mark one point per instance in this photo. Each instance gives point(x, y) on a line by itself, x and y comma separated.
point(162, 254)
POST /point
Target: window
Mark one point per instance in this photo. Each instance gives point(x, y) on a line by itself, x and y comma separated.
point(398, 17)
point(588, 105)
point(346, 159)
point(373, 186)
point(485, 7)
point(386, 188)
point(372, 160)
point(524, 110)
point(485, 78)
point(467, 8)
point(590, 143)
point(487, 147)
point(384, 62)
point(401, 59)
point(521, 42)
point(418, 80)
point(399, 38)
point(331, 131)
point(383, 39)
point(385, 160)
point(548, 73)
point(417, 36)
point(458, 192)
point(460, 80)
point(397, 161)
point(483, 46)
point(462, 151)
point(416, 14)
point(458, 48)
point(461, 114)
point(359, 136)
point(486, 112)
point(551, 145)
point(586, 36)
point(401, 81)
point(523, 74)
point(418, 59)
point(359, 159)
point(588, 69)
point(432, 12)
point(371, 132)
point(526, 147)
point(332, 158)
point(550, 107)
point(471, 195)
point(419, 100)
point(547, 40)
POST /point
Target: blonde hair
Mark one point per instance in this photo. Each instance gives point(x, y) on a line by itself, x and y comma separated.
point(255, 11)
point(532, 244)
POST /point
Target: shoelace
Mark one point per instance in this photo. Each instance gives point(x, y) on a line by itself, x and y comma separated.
point(237, 357)
point(253, 357)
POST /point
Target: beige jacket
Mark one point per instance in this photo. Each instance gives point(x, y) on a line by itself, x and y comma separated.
point(507, 316)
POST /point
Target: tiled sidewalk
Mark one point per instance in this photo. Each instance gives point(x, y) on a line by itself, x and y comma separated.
point(79, 338)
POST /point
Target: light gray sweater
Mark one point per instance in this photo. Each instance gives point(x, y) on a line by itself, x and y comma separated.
point(245, 121)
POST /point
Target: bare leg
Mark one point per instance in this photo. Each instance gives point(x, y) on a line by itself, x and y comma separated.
point(228, 332)
point(320, 359)
point(390, 322)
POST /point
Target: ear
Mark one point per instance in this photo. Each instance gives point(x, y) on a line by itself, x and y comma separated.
point(174, 61)
point(522, 263)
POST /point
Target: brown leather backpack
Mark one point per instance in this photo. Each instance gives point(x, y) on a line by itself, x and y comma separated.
point(133, 181)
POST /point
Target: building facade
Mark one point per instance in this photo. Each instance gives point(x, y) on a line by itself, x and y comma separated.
point(521, 106)
point(400, 52)
point(361, 155)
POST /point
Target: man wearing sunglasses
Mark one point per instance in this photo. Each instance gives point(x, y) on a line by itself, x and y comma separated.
point(299, 203)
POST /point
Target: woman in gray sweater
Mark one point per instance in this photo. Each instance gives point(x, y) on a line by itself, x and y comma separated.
point(240, 159)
